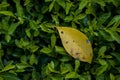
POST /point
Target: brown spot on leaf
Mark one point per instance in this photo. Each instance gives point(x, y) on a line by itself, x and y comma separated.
point(83, 57)
point(66, 42)
point(62, 32)
point(77, 53)
point(73, 40)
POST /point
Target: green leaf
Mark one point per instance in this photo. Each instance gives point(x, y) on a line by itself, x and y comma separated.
point(7, 38)
point(28, 32)
point(27, 2)
point(85, 77)
point(33, 59)
point(83, 4)
point(72, 75)
point(51, 67)
point(4, 5)
point(22, 43)
point(51, 5)
point(36, 33)
point(19, 8)
point(114, 35)
point(116, 2)
point(17, 43)
point(12, 28)
point(23, 58)
point(9, 66)
point(118, 77)
point(103, 17)
point(60, 50)
point(100, 70)
point(79, 17)
point(55, 19)
point(61, 3)
point(65, 58)
point(90, 10)
point(35, 75)
point(74, 25)
point(116, 55)
point(106, 35)
point(22, 65)
point(81, 78)
point(112, 62)
point(101, 52)
point(9, 76)
point(4, 24)
point(20, 12)
point(53, 40)
point(102, 62)
point(114, 19)
point(46, 50)
point(100, 2)
point(68, 6)
point(34, 48)
point(57, 78)
point(44, 9)
point(64, 68)
point(116, 25)
point(7, 13)
point(20, 70)
point(33, 25)
point(77, 65)
point(100, 77)
point(117, 29)
point(68, 18)
point(46, 28)
point(112, 77)
point(1, 78)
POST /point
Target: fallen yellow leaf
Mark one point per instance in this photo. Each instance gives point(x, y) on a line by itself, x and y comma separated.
point(76, 43)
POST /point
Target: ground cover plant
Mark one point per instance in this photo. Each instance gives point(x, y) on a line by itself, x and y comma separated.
point(31, 49)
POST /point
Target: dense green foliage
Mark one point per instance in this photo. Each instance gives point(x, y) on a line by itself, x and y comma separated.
point(31, 49)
